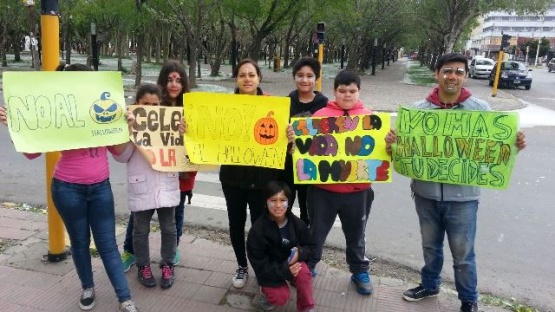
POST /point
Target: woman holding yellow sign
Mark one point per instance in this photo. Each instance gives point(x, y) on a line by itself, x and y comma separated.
point(242, 185)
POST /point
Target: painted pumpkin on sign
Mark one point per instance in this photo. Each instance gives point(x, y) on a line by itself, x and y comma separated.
point(266, 130)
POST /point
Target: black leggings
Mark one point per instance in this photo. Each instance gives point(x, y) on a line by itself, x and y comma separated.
point(237, 200)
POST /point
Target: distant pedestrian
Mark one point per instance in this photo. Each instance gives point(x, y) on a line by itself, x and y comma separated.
point(277, 247)
point(150, 191)
point(350, 201)
point(305, 101)
point(444, 208)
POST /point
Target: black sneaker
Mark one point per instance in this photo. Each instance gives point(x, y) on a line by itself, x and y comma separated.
point(167, 276)
point(469, 307)
point(240, 278)
point(87, 299)
point(419, 293)
point(145, 276)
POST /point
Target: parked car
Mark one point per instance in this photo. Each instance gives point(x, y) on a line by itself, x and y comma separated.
point(480, 68)
point(512, 75)
point(551, 65)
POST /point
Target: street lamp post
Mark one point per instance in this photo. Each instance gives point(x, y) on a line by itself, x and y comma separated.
point(539, 42)
point(94, 46)
point(490, 37)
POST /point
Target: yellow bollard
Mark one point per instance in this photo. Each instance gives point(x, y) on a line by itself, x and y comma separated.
point(497, 73)
point(50, 41)
point(321, 60)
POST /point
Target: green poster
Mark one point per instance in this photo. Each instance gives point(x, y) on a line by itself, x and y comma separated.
point(456, 146)
point(55, 111)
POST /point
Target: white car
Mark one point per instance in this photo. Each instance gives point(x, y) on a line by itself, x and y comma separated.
point(480, 68)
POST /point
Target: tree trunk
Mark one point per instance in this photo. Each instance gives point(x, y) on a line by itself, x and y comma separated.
point(353, 59)
point(148, 47)
point(192, 62)
point(165, 46)
point(4, 29)
point(119, 49)
point(140, 45)
point(157, 47)
point(254, 50)
point(67, 41)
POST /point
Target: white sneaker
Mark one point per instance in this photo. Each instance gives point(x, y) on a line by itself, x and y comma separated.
point(240, 277)
point(128, 306)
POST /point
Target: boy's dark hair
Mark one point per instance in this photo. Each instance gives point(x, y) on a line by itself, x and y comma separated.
point(73, 67)
point(451, 58)
point(168, 68)
point(247, 61)
point(310, 62)
point(148, 88)
point(274, 187)
point(346, 77)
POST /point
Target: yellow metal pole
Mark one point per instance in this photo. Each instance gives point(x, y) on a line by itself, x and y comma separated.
point(50, 41)
point(497, 73)
point(321, 60)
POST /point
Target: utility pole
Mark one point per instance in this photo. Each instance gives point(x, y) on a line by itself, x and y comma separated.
point(539, 43)
point(50, 25)
point(321, 35)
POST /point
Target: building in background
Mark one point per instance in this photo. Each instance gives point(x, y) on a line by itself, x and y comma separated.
point(486, 38)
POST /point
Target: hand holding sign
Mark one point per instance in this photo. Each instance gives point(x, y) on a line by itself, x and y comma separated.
point(3, 116)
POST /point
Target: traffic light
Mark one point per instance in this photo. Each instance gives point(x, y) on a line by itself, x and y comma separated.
point(505, 41)
point(321, 32)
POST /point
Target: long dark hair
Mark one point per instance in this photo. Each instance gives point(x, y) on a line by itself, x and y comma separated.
point(168, 68)
point(73, 67)
point(148, 88)
point(274, 187)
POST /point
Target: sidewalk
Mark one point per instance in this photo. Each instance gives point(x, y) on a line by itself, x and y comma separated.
point(203, 279)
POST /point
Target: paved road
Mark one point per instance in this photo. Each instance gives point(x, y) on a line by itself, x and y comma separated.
point(515, 234)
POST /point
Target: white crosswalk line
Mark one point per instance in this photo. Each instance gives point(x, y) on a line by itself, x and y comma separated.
point(218, 203)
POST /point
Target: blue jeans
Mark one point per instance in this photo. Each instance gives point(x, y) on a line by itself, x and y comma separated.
point(458, 220)
point(85, 209)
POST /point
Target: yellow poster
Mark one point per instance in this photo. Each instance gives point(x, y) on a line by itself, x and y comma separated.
point(56, 111)
point(343, 149)
point(156, 135)
point(232, 129)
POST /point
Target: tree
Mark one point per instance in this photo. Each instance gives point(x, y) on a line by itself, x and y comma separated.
point(263, 17)
point(533, 46)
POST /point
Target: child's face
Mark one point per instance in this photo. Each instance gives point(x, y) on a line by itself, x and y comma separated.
point(277, 205)
point(174, 86)
point(346, 96)
point(305, 79)
point(149, 99)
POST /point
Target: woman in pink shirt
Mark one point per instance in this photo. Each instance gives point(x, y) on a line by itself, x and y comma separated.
point(83, 196)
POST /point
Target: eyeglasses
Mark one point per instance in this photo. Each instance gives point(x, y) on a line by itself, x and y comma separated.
point(449, 70)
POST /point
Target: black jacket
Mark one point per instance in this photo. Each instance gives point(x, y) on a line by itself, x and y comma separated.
point(248, 177)
point(266, 253)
